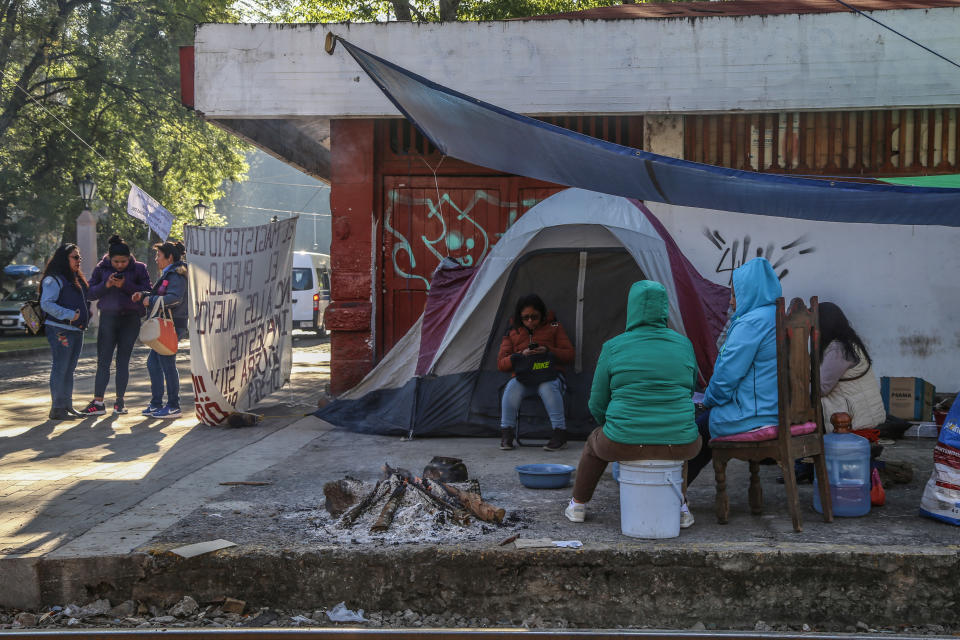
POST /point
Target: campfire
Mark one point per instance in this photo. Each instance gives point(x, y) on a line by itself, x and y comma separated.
point(401, 496)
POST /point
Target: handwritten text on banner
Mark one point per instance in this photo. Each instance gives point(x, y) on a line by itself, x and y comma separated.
point(240, 316)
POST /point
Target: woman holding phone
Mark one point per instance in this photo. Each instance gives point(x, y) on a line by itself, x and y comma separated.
point(112, 283)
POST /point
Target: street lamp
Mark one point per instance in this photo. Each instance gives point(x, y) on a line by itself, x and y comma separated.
point(88, 189)
point(199, 212)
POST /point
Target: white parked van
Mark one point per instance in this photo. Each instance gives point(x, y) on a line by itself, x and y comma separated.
point(310, 288)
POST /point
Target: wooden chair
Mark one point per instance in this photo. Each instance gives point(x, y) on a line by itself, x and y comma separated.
point(798, 386)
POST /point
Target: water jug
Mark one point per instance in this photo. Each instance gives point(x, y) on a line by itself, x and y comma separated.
point(848, 472)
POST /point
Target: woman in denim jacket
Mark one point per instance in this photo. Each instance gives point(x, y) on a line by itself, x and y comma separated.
point(63, 297)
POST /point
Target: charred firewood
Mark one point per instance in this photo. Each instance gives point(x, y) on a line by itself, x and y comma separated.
point(386, 514)
point(456, 512)
point(361, 507)
point(475, 505)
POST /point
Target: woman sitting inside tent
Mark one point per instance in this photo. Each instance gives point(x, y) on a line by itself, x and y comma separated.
point(641, 396)
point(847, 382)
point(742, 394)
point(532, 349)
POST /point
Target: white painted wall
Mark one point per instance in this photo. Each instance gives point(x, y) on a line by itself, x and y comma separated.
point(785, 62)
point(897, 284)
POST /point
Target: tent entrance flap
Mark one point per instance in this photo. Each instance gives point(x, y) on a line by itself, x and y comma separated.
point(555, 276)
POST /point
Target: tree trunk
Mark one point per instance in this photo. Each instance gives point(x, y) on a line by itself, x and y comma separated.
point(448, 10)
point(401, 9)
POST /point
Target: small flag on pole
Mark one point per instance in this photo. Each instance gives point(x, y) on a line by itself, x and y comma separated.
point(143, 207)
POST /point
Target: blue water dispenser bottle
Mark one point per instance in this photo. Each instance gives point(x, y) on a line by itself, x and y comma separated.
point(848, 470)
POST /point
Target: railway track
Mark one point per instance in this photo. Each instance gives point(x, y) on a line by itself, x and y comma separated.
point(430, 634)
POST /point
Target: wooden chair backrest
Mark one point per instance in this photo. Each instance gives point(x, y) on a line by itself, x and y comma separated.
point(798, 365)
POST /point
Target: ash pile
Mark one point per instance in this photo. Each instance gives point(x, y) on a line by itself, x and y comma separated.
point(441, 505)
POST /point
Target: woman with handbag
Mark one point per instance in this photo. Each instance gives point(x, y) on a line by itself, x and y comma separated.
point(169, 294)
point(63, 297)
point(532, 349)
point(113, 282)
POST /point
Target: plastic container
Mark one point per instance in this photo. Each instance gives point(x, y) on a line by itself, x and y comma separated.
point(545, 476)
point(651, 492)
point(848, 471)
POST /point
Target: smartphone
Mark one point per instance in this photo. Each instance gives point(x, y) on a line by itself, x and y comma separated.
point(533, 345)
point(117, 276)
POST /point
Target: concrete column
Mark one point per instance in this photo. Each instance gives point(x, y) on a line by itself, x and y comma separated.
point(87, 243)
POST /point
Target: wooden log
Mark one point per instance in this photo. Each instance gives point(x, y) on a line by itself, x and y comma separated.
point(457, 514)
point(386, 514)
point(476, 505)
point(361, 507)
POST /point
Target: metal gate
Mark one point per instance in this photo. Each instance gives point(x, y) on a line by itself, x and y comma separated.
point(427, 219)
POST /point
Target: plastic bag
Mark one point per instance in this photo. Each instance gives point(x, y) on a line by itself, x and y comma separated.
point(941, 497)
point(340, 613)
point(878, 497)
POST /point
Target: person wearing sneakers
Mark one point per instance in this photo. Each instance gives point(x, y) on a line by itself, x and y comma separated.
point(63, 297)
point(113, 282)
point(171, 288)
point(534, 337)
point(641, 396)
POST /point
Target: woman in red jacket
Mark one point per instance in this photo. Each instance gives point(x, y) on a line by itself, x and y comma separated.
point(534, 335)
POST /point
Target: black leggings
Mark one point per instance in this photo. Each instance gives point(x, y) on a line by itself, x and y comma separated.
point(116, 332)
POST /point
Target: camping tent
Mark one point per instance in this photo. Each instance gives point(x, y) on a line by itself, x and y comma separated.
point(580, 251)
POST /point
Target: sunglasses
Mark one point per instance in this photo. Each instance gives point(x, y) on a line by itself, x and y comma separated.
point(76, 257)
point(532, 316)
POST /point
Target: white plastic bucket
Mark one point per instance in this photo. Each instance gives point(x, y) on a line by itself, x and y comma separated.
point(651, 492)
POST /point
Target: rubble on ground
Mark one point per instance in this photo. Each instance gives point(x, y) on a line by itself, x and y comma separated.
point(194, 612)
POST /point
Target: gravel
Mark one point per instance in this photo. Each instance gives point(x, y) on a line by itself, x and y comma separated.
point(188, 612)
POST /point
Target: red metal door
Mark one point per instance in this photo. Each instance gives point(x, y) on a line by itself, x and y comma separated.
point(426, 220)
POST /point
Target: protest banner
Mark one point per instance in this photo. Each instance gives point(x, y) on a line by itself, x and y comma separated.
point(241, 342)
point(143, 207)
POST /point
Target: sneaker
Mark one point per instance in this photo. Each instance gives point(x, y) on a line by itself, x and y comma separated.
point(94, 409)
point(575, 511)
point(558, 441)
point(168, 412)
point(61, 414)
point(118, 407)
point(151, 409)
point(686, 516)
point(506, 439)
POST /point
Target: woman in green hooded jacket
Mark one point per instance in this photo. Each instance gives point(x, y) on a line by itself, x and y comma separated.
point(641, 396)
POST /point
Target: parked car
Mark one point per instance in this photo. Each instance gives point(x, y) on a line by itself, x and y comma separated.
point(10, 318)
point(310, 288)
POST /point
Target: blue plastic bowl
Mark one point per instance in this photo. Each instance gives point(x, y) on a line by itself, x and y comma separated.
point(544, 476)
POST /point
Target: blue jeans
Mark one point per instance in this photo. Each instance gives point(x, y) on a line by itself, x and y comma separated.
point(550, 392)
point(116, 332)
point(65, 346)
point(163, 369)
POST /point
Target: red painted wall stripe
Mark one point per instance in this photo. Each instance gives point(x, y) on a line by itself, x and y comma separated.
point(186, 76)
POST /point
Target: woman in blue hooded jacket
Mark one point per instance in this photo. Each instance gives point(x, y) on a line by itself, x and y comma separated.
point(742, 394)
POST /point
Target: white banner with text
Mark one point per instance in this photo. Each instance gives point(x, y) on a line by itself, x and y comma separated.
point(241, 343)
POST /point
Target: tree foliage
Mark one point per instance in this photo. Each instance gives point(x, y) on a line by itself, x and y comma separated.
point(430, 10)
point(108, 70)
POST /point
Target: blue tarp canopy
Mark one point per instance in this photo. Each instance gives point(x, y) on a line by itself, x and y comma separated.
point(473, 131)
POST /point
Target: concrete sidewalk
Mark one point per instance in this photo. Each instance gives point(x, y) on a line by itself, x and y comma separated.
point(92, 508)
point(60, 480)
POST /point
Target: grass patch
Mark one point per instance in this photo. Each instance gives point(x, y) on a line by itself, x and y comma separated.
point(22, 342)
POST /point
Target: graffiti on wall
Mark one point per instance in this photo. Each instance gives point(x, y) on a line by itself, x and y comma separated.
point(734, 253)
point(460, 235)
